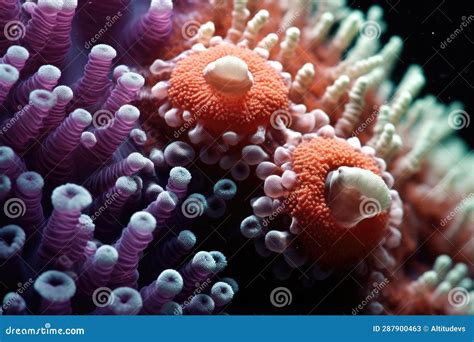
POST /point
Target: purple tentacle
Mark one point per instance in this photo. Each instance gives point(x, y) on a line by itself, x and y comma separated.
point(135, 238)
point(12, 242)
point(56, 290)
point(89, 251)
point(16, 56)
point(85, 232)
point(195, 272)
point(5, 187)
point(111, 136)
point(45, 78)
point(162, 208)
point(98, 269)
point(56, 115)
point(153, 26)
point(41, 25)
point(29, 187)
point(95, 81)
point(8, 77)
point(124, 92)
point(11, 164)
point(54, 159)
point(178, 181)
point(60, 39)
point(161, 291)
point(106, 177)
point(68, 202)
point(134, 202)
point(26, 124)
point(107, 209)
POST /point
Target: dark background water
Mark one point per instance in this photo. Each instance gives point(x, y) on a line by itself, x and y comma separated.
point(424, 26)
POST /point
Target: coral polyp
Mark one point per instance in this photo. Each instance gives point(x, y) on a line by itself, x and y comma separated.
point(179, 157)
point(325, 210)
point(228, 88)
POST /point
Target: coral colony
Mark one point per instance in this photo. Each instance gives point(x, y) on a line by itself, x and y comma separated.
point(130, 131)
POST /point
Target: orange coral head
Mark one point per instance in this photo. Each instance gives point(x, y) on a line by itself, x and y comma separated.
point(323, 238)
point(238, 99)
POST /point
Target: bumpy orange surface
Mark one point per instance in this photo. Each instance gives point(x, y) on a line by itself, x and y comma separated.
point(327, 242)
point(218, 112)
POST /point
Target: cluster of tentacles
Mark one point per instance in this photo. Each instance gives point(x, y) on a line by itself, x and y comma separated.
point(114, 170)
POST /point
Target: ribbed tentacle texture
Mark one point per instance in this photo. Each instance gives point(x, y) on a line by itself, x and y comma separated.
point(8, 76)
point(45, 78)
point(16, 56)
point(111, 136)
point(85, 233)
point(108, 208)
point(95, 81)
point(29, 188)
point(60, 39)
point(59, 234)
point(195, 272)
point(135, 238)
point(161, 291)
point(97, 269)
point(11, 164)
point(153, 26)
point(106, 178)
point(41, 24)
point(28, 121)
point(55, 157)
point(162, 208)
point(124, 92)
